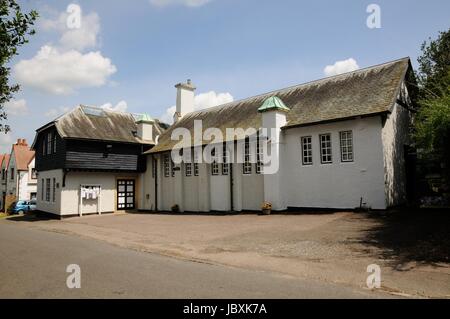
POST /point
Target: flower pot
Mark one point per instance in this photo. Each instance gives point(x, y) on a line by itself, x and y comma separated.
point(266, 211)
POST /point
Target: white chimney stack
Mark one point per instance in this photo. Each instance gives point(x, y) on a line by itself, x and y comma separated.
point(185, 100)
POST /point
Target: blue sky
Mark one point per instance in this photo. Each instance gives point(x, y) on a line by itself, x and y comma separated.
point(128, 55)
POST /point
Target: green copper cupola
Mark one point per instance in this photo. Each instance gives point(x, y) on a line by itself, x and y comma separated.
point(145, 118)
point(273, 103)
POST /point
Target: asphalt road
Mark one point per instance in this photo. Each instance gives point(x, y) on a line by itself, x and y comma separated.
point(33, 265)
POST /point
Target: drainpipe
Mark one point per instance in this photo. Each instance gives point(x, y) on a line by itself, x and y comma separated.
point(231, 186)
point(155, 169)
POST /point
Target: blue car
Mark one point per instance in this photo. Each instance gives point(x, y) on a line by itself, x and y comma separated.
point(22, 206)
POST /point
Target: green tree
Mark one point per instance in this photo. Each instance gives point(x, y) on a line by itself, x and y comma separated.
point(434, 67)
point(432, 122)
point(15, 26)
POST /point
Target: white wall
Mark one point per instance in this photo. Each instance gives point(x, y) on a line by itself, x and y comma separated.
point(336, 185)
point(203, 193)
point(51, 206)
point(27, 185)
point(67, 198)
point(395, 135)
point(252, 190)
point(11, 184)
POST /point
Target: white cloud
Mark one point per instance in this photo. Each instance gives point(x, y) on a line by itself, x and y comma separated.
point(168, 116)
point(85, 36)
point(122, 106)
point(76, 38)
point(340, 67)
point(210, 99)
point(55, 112)
point(16, 107)
point(65, 67)
point(201, 101)
point(187, 3)
point(6, 141)
point(59, 72)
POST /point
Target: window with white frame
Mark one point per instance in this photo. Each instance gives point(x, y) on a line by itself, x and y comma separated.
point(47, 190)
point(259, 155)
point(214, 164)
point(325, 149)
point(188, 169)
point(226, 160)
point(42, 189)
point(166, 165)
point(196, 170)
point(346, 139)
point(247, 167)
point(307, 157)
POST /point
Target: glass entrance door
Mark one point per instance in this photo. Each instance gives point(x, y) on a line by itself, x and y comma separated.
point(125, 194)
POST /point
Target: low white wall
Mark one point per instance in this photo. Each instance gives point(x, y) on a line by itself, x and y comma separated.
point(336, 185)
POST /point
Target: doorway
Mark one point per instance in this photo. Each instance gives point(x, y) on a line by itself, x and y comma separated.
point(125, 194)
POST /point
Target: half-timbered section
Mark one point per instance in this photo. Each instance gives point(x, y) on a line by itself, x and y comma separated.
point(89, 160)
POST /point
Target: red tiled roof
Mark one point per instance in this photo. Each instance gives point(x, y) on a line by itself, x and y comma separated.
point(23, 155)
point(6, 160)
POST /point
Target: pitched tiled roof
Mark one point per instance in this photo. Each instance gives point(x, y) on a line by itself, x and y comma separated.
point(94, 123)
point(23, 156)
point(364, 92)
point(6, 160)
point(2, 157)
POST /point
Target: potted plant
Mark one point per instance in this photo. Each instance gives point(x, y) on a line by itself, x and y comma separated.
point(175, 208)
point(266, 208)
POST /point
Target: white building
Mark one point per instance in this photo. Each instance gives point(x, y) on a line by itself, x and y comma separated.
point(89, 161)
point(339, 141)
point(18, 175)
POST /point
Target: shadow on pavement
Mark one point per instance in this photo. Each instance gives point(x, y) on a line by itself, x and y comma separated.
point(404, 236)
point(31, 217)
